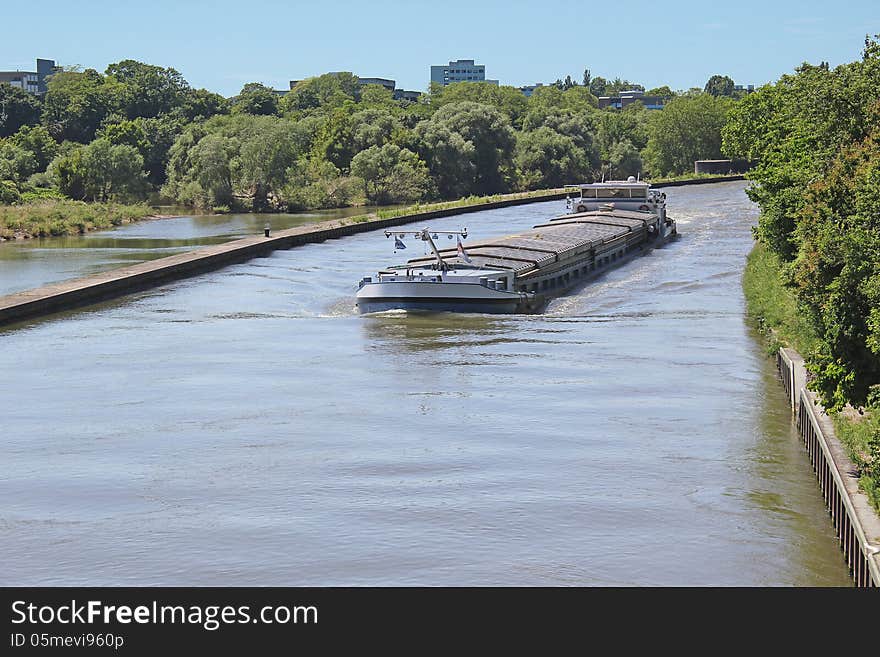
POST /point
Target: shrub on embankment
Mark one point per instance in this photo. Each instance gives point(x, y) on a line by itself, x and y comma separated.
point(54, 217)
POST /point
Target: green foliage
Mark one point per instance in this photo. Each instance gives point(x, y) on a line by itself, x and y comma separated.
point(9, 192)
point(391, 174)
point(323, 92)
point(816, 138)
point(509, 101)
point(545, 158)
point(36, 140)
point(625, 160)
point(76, 104)
point(773, 305)
point(17, 108)
point(860, 434)
point(200, 104)
point(319, 184)
point(16, 163)
point(53, 217)
point(720, 85)
point(235, 160)
point(687, 129)
point(630, 124)
point(255, 98)
point(100, 171)
point(492, 140)
point(147, 91)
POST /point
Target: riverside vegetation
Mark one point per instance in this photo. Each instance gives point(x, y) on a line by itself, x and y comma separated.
point(139, 129)
point(814, 276)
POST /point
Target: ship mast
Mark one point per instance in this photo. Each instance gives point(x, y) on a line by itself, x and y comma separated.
point(425, 236)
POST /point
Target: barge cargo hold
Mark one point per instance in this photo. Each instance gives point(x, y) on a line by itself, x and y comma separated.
point(518, 273)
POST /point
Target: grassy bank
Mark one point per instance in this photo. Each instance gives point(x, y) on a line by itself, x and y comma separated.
point(64, 217)
point(773, 309)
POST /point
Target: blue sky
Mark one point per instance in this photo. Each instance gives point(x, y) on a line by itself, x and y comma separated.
point(221, 45)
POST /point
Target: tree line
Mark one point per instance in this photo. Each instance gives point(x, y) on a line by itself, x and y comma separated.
point(139, 128)
point(815, 136)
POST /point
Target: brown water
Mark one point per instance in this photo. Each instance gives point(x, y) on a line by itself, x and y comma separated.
point(247, 427)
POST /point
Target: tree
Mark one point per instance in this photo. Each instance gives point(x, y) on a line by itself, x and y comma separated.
point(200, 104)
point(625, 160)
point(510, 101)
point(688, 129)
point(148, 90)
point(240, 159)
point(321, 93)
point(111, 172)
point(76, 104)
point(255, 98)
point(719, 85)
point(153, 138)
point(377, 96)
point(372, 127)
point(37, 140)
point(493, 142)
point(318, 184)
point(17, 108)
point(630, 124)
point(815, 141)
point(587, 79)
point(663, 92)
point(599, 86)
point(450, 157)
point(546, 159)
point(16, 163)
point(391, 174)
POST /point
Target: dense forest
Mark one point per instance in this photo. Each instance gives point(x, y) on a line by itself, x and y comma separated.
point(815, 136)
point(139, 129)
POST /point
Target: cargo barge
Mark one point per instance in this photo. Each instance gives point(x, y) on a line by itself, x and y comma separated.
point(521, 273)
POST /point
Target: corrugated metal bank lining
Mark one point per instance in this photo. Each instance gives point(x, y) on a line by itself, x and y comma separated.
point(546, 243)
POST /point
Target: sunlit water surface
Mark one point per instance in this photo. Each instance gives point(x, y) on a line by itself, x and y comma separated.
point(248, 427)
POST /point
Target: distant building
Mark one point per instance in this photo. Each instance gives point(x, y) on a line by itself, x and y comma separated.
point(34, 82)
point(384, 82)
point(462, 70)
point(528, 90)
point(402, 94)
point(747, 89)
point(387, 83)
point(625, 98)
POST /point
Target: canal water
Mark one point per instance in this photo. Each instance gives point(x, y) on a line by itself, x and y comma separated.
point(26, 264)
point(247, 427)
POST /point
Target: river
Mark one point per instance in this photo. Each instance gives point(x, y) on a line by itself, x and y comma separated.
point(247, 427)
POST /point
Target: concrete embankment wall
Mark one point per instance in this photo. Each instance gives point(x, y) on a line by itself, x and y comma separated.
point(67, 295)
point(855, 521)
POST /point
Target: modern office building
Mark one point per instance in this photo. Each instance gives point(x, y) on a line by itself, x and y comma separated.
point(33, 82)
point(462, 70)
point(625, 98)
